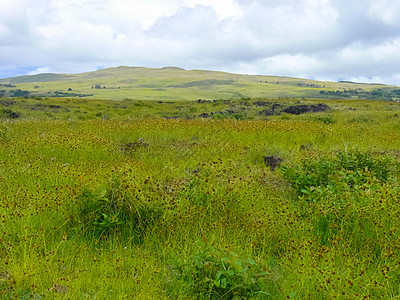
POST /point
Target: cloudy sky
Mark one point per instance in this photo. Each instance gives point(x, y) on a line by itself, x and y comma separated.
point(355, 40)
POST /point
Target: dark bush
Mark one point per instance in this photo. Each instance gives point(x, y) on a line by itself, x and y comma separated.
point(301, 109)
point(10, 114)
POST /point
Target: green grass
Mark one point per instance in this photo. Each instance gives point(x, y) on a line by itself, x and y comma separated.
point(178, 84)
point(191, 210)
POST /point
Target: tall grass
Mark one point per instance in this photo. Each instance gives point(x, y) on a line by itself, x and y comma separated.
point(191, 210)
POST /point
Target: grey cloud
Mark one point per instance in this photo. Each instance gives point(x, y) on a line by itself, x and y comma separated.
point(260, 32)
point(351, 21)
point(335, 39)
point(16, 31)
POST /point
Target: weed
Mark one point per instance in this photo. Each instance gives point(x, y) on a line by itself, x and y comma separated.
point(8, 113)
point(327, 119)
point(337, 188)
point(111, 209)
point(348, 171)
point(220, 274)
point(362, 119)
point(4, 133)
point(227, 115)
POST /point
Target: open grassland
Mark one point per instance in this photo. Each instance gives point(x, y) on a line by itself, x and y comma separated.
point(121, 203)
point(356, 111)
point(178, 84)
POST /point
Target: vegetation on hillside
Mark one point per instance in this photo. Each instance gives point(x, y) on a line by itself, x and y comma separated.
point(178, 84)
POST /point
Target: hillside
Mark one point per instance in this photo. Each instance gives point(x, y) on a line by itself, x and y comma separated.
point(172, 83)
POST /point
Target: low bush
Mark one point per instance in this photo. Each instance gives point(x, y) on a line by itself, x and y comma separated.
point(351, 170)
point(8, 113)
point(112, 209)
point(362, 119)
point(344, 198)
point(327, 119)
point(219, 274)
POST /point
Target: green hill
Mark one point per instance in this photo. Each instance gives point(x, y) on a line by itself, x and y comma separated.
point(172, 83)
point(45, 77)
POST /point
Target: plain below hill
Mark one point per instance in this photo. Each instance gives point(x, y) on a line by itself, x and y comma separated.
point(172, 83)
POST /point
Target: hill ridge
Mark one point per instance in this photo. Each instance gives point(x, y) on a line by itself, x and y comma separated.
point(175, 83)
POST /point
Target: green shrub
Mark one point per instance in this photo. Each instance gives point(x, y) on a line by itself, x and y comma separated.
point(347, 171)
point(227, 115)
point(361, 119)
point(219, 274)
point(4, 133)
point(112, 209)
point(327, 119)
point(340, 194)
point(8, 113)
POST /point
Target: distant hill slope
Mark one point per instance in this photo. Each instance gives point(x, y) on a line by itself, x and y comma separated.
point(45, 77)
point(178, 84)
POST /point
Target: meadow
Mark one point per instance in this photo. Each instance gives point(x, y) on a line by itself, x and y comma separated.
point(171, 83)
point(172, 199)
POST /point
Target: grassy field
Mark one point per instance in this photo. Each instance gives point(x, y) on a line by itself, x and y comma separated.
point(171, 83)
point(154, 200)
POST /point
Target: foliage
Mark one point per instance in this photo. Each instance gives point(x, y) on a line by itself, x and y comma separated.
point(343, 192)
point(349, 171)
point(327, 119)
point(220, 274)
point(378, 93)
point(19, 93)
point(227, 115)
point(111, 209)
point(4, 133)
point(8, 113)
point(362, 119)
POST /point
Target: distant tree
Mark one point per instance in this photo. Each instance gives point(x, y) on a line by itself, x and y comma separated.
point(69, 90)
point(97, 86)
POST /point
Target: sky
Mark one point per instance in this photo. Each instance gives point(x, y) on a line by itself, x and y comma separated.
point(355, 40)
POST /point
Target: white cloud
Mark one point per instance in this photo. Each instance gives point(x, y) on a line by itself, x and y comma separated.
point(290, 64)
point(224, 8)
point(387, 11)
point(39, 71)
point(187, 24)
point(283, 65)
point(310, 38)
